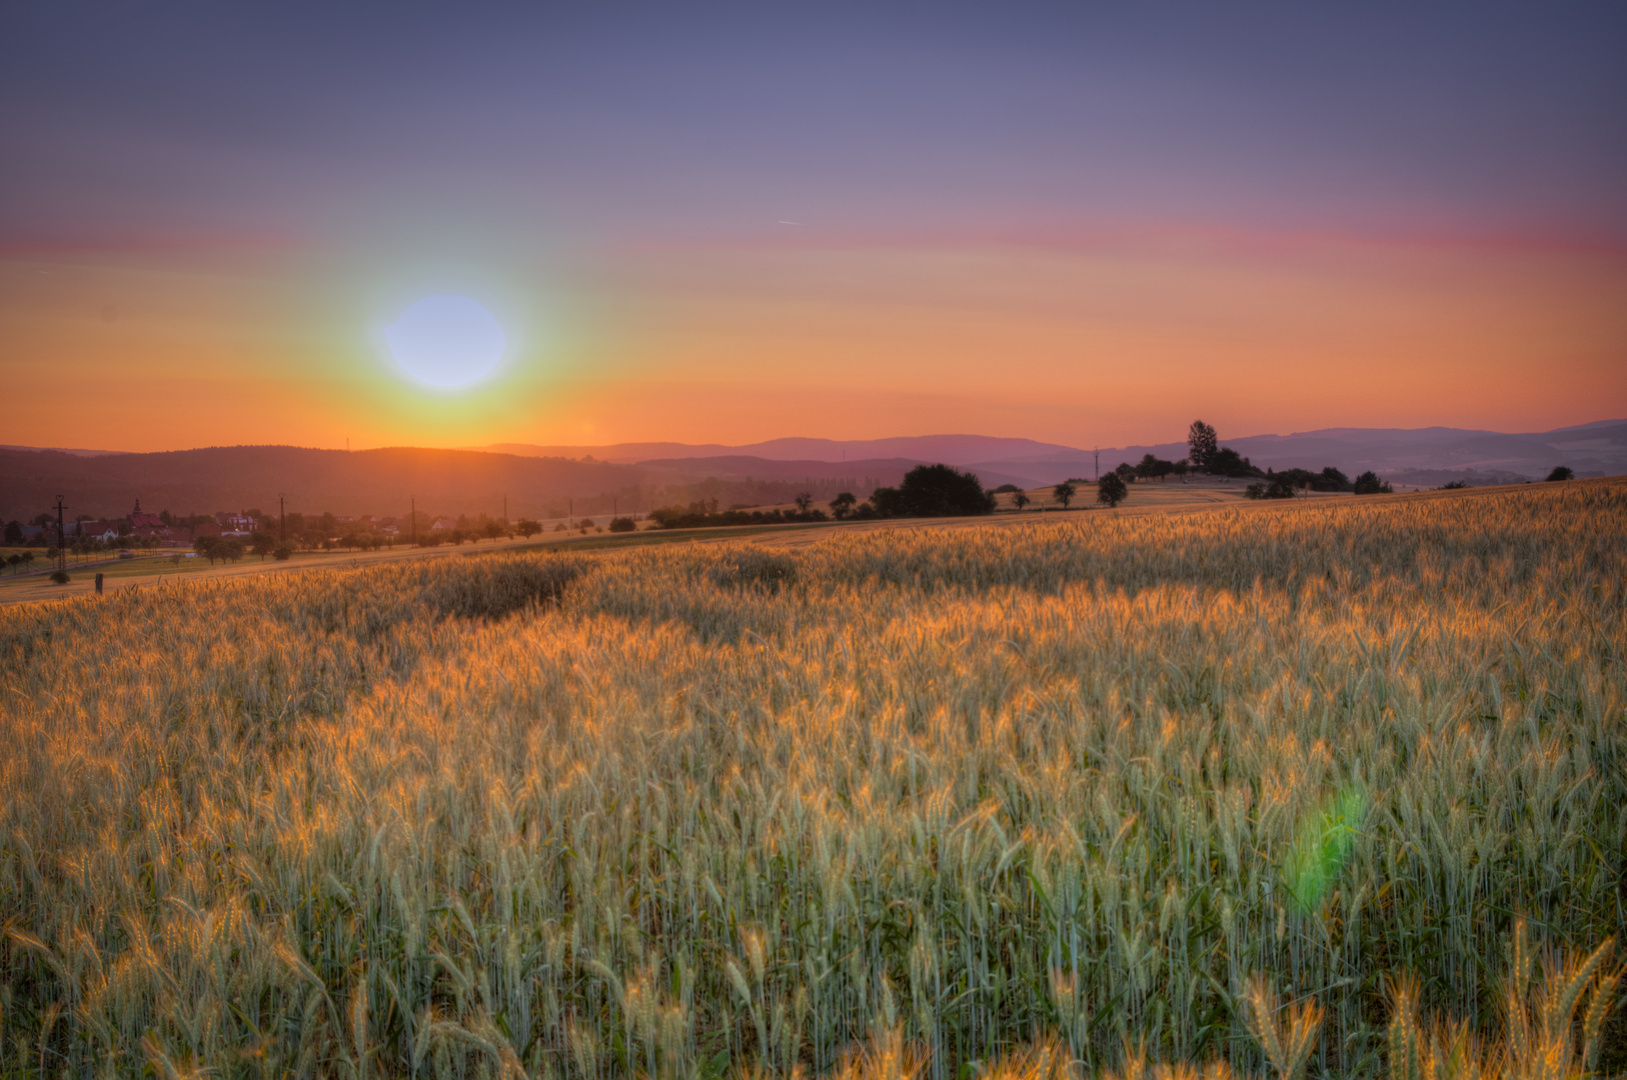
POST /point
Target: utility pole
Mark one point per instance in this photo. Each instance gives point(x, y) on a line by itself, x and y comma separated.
point(1098, 475)
point(282, 522)
point(61, 540)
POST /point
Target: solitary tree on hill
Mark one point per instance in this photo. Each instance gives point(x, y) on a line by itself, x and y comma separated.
point(842, 505)
point(1202, 442)
point(1020, 499)
point(1064, 493)
point(1561, 472)
point(1111, 489)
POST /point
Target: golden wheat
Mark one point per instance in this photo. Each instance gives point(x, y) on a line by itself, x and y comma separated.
point(709, 810)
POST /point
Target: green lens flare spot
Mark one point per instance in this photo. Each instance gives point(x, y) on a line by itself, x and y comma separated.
point(1322, 847)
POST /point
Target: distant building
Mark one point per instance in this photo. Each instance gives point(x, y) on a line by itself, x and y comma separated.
point(139, 520)
point(234, 524)
point(95, 530)
point(444, 524)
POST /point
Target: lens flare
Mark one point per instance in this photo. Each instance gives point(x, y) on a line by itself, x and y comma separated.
point(1322, 847)
point(446, 341)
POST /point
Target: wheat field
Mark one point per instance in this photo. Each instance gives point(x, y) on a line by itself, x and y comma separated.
point(1083, 794)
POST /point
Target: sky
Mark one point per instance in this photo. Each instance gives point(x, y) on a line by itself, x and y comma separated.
point(1080, 223)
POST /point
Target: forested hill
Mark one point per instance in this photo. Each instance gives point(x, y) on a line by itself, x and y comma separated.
point(377, 482)
point(383, 482)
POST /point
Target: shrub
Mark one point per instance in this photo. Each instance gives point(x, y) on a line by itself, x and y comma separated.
point(282, 553)
point(1560, 472)
point(622, 524)
point(1368, 483)
point(60, 577)
point(1280, 486)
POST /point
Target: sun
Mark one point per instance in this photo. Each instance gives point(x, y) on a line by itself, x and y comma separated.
point(446, 341)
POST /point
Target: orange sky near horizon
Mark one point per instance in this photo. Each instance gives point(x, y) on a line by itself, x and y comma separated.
point(1078, 338)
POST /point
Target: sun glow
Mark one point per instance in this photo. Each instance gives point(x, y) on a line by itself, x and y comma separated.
point(446, 341)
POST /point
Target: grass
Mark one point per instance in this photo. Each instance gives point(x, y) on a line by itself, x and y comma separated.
point(647, 537)
point(961, 797)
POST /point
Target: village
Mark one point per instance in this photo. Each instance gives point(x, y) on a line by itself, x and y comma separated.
point(48, 541)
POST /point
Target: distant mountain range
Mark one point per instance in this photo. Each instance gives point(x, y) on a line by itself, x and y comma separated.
point(1411, 454)
point(951, 449)
point(546, 481)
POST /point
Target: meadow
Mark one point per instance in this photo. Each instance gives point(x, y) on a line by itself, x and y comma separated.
point(1055, 795)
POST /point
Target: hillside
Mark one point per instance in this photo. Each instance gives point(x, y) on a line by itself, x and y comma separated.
point(641, 476)
point(383, 482)
point(242, 477)
point(1598, 448)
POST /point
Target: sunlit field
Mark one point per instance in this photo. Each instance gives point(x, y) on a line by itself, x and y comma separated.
point(1051, 795)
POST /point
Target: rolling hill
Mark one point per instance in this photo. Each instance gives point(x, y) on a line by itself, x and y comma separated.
point(543, 481)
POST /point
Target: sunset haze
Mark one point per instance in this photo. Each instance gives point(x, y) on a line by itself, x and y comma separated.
point(733, 223)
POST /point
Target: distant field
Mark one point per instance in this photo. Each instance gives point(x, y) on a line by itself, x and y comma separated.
point(1173, 497)
point(692, 809)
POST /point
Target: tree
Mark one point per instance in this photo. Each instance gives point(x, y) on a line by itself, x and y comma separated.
point(1202, 442)
point(1152, 467)
point(934, 491)
point(1368, 483)
point(1020, 499)
point(262, 544)
point(14, 532)
point(803, 501)
point(1126, 472)
point(1111, 489)
point(1560, 472)
point(842, 505)
point(60, 577)
point(1064, 493)
point(208, 547)
point(527, 528)
point(1331, 480)
point(282, 553)
point(1280, 486)
point(1228, 462)
point(492, 529)
point(230, 549)
point(622, 524)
